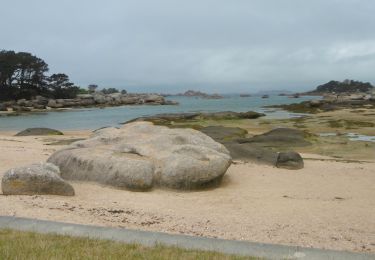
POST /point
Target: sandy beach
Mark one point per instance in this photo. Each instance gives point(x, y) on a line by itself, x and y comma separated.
point(328, 204)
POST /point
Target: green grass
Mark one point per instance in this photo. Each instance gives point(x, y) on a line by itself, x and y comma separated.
point(30, 246)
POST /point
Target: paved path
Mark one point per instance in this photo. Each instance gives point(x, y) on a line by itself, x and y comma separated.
point(146, 238)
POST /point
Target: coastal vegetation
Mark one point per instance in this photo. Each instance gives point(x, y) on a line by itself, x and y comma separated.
point(24, 75)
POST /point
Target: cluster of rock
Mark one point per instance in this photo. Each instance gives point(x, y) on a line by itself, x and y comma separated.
point(193, 93)
point(86, 100)
point(138, 156)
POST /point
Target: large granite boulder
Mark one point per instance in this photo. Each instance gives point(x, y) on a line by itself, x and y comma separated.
point(140, 155)
point(35, 179)
point(39, 131)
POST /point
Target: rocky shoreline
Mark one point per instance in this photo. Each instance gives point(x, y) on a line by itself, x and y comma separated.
point(40, 103)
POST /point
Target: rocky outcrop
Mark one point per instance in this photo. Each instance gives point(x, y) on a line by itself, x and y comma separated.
point(140, 155)
point(36, 179)
point(86, 100)
point(39, 131)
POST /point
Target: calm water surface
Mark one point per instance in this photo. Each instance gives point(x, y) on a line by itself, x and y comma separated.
point(94, 118)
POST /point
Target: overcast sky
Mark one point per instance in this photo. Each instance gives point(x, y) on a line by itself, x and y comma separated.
point(211, 45)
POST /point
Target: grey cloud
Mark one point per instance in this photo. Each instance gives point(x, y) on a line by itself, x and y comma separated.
point(168, 45)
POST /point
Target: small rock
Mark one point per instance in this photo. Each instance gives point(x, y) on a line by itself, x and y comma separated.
point(289, 160)
point(35, 179)
point(39, 131)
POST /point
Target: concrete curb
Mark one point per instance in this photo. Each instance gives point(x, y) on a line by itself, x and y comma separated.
point(146, 238)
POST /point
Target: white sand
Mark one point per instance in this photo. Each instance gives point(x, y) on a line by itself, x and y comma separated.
point(328, 204)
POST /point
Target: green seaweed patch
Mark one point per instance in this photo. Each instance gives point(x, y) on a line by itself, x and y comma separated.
point(349, 124)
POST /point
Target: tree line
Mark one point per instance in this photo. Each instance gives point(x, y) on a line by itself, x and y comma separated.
point(23, 75)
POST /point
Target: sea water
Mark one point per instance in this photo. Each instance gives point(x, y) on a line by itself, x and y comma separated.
point(93, 118)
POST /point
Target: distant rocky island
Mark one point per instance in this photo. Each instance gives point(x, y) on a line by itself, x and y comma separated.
point(199, 94)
